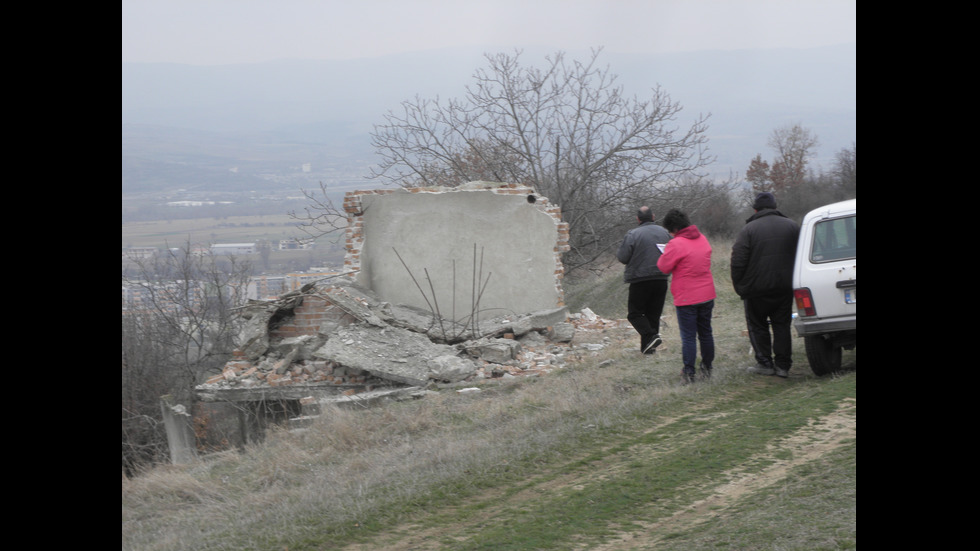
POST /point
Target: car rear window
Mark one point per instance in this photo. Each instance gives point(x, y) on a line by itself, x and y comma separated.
point(834, 239)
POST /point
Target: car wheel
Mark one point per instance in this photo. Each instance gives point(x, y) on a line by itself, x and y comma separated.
point(824, 356)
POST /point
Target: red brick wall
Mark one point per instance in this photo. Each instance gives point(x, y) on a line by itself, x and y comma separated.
point(309, 316)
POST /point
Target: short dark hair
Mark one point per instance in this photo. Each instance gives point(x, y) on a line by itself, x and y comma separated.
point(675, 221)
point(644, 214)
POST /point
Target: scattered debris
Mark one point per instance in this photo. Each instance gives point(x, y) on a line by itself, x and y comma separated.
point(339, 345)
point(339, 339)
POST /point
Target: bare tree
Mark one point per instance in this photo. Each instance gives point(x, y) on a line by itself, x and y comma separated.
point(845, 171)
point(794, 145)
point(321, 216)
point(798, 194)
point(177, 325)
point(565, 129)
point(758, 175)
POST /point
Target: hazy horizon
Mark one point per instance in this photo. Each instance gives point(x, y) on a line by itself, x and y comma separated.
point(221, 32)
point(322, 73)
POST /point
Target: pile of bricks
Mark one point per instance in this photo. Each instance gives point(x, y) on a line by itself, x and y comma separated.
point(242, 373)
point(586, 320)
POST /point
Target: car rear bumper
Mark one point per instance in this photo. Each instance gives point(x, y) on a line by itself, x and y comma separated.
point(807, 327)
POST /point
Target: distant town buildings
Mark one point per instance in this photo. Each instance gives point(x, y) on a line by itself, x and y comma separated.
point(220, 248)
point(171, 297)
point(265, 287)
point(298, 279)
point(140, 252)
point(197, 203)
point(292, 244)
point(174, 295)
point(137, 296)
point(233, 248)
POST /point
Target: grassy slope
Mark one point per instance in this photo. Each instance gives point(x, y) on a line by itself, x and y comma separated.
point(608, 453)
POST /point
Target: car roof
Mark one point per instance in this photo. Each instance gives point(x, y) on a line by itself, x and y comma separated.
point(833, 209)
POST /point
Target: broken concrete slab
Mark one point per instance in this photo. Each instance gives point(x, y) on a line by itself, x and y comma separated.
point(312, 405)
point(297, 348)
point(451, 368)
point(392, 353)
point(355, 302)
point(520, 325)
point(496, 351)
point(253, 338)
point(262, 316)
point(533, 339)
point(265, 393)
point(364, 304)
point(561, 332)
point(315, 335)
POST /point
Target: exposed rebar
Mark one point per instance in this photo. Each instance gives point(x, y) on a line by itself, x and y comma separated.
point(419, 287)
point(478, 286)
point(436, 301)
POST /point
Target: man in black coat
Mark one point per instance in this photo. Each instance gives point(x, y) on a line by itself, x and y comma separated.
point(762, 274)
point(640, 250)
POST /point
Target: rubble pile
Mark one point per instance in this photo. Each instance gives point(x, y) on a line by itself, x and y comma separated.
point(301, 341)
point(587, 320)
point(242, 373)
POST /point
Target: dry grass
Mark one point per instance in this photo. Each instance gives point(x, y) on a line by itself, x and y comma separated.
point(364, 469)
point(351, 463)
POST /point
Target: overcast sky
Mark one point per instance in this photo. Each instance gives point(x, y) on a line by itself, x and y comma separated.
point(212, 32)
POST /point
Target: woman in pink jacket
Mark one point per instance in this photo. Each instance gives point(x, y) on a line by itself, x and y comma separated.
point(687, 258)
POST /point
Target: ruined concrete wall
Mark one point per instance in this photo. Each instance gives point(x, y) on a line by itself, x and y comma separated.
point(437, 231)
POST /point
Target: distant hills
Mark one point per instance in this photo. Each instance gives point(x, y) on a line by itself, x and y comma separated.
point(293, 122)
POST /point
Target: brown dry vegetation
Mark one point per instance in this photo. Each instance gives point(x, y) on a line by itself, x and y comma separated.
point(610, 452)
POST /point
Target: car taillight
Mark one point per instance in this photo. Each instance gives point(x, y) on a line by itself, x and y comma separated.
point(804, 302)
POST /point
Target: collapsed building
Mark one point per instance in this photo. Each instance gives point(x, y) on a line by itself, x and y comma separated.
point(441, 286)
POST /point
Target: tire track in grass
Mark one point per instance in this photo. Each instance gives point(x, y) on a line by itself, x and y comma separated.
point(809, 443)
point(492, 505)
point(575, 473)
point(511, 516)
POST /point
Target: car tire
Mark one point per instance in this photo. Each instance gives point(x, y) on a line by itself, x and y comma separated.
point(824, 356)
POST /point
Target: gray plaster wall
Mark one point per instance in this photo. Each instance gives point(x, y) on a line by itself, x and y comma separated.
point(515, 239)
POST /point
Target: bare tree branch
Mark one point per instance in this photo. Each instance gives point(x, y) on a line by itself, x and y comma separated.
point(565, 129)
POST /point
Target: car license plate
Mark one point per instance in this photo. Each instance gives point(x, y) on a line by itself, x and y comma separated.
point(850, 295)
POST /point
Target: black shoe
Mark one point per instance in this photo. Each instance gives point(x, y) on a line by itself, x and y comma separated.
point(651, 346)
point(760, 369)
point(687, 378)
point(705, 372)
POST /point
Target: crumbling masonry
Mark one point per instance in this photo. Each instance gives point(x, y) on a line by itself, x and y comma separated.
point(442, 286)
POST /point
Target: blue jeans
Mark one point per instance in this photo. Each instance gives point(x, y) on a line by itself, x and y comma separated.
point(694, 322)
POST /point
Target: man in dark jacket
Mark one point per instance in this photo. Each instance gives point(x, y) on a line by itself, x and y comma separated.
point(640, 250)
point(762, 273)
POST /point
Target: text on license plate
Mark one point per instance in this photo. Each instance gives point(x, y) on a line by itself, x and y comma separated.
point(850, 295)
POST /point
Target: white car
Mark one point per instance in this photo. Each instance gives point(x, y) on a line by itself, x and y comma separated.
point(825, 284)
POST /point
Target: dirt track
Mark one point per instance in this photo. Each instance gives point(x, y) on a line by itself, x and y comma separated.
point(820, 437)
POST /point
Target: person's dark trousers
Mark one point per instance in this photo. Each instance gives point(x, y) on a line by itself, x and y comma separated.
point(694, 323)
point(644, 307)
point(775, 349)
